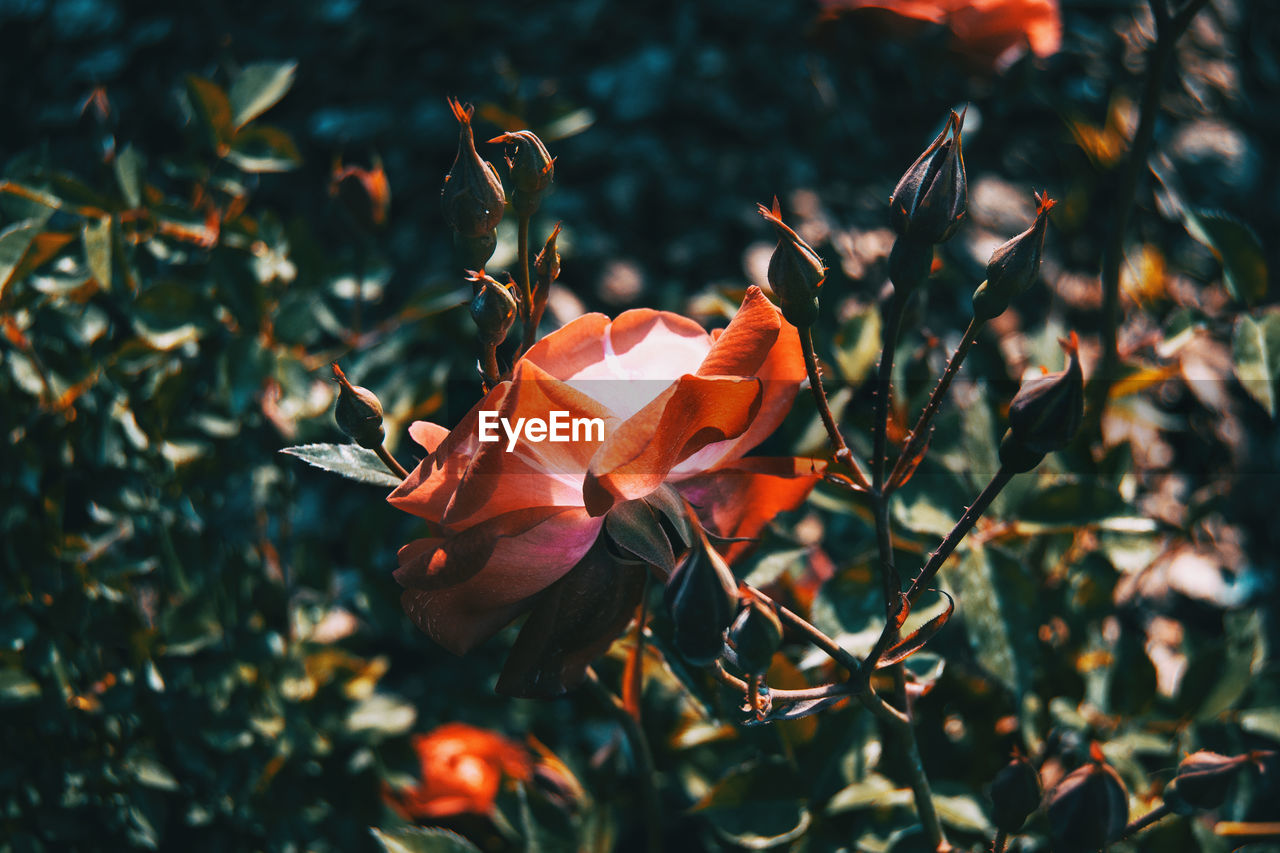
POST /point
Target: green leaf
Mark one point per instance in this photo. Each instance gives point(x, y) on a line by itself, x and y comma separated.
point(213, 108)
point(14, 242)
point(349, 460)
point(96, 237)
point(128, 165)
point(755, 805)
point(258, 88)
point(1237, 248)
point(996, 602)
point(1256, 353)
point(264, 149)
point(420, 839)
point(857, 345)
point(16, 686)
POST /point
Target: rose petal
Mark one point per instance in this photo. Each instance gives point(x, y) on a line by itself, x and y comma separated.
point(573, 623)
point(427, 434)
point(691, 414)
point(738, 502)
point(501, 563)
point(745, 344)
point(533, 474)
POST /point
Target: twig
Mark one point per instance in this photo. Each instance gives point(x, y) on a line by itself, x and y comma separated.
point(920, 431)
point(880, 427)
point(811, 632)
point(1146, 820)
point(390, 461)
point(526, 289)
point(1001, 841)
point(842, 451)
point(645, 769)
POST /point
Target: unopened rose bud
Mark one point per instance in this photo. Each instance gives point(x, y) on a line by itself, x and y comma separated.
point(795, 271)
point(755, 636)
point(472, 253)
point(702, 597)
point(1015, 794)
point(1014, 266)
point(547, 263)
point(472, 196)
point(364, 193)
point(1045, 413)
point(1089, 809)
point(493, 308)
point(532, 170)
point(1203, 780)
point(930, 198)
point(358, 413)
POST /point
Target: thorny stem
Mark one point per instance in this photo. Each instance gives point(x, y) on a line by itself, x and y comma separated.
point(390, 461)
point(880, 427)
point(961, 529)
point(1002, 839)
point(1146, 820)
point(489, 365)
point(920, 432)
point(811, 632)
point(1168, 30)
point(843, 453)
point(645, 769)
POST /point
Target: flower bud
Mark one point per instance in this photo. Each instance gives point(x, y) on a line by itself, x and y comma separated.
point(1014, 266)
point(358, 413)
point(1090, 807)
point(472, 195)
point(531, 170)
point(1045, 413)
point(795, 271)
point(755, 635)
point(493, 308)
point(364, 193)
point(1015, 794)
point(1203, 780)
point(702, 597)
point(930, 198)
point(547, 264)
point(472, 253)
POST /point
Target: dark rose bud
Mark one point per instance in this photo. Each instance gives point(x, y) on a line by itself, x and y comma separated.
point(531, 170)
point(930, 198)
point(547, 264)
point(1090, 807)
point(1014, 266)
point(493, 308)
point(358, 413)
point(1203, 780)
point(702, 597)
point(1015, 793)
point(754, 636)
point(472, 195)
point(472, 253)
point(364, 193)
point(1045, 413)
point(795, 271)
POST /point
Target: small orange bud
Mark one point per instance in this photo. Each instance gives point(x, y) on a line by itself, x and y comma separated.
point(1089, 809)
point(532, 169)
point(364, 193)
point(1045, 413)
point(702, 597)
point(795, 271)
point(1015, 794)
point(930, 198)
point(493, 308)
point(1014, 266)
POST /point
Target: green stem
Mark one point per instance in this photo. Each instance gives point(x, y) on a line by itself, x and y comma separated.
point(645, 769)
point(1146, 820)
point(390, 461)
point(890, 581)
point(920, 432)
point(961, 529)
point(842, 451)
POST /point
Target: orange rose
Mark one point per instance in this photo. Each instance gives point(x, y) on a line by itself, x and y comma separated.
point(518, 528)
point(993, 33)
point(462, 769)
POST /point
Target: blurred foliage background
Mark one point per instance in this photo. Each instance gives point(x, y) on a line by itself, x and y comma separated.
point(201, 644)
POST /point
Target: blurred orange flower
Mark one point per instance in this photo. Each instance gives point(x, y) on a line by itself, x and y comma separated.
point(992, 33)
point(517, 527)
point(462, 770)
